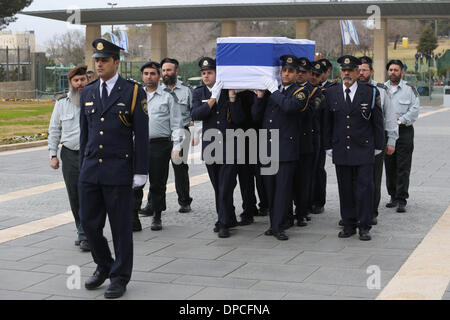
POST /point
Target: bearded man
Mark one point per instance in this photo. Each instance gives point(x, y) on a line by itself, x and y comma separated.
point(353, 136)
point(65, 129)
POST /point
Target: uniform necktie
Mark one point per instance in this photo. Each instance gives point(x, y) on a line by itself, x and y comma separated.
point(283, 91)
point(347, 97)
point(104, 94)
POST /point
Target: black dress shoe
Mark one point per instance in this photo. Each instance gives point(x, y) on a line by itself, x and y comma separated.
point(156, 222)
point(84, 246)
point(269, 232)
point(341, 223)
point(96, 280)
point(301, 222)
point(347, 232)
point(185, 208)
point(224, 233)
point(147, 211)
point(262, 212)
point(115, 290)
point(401, 207)
point(374, 221)
point(245, 221)
point(392, 203)
point(364, 235)
point(308, 218)
point(281, 236)
point(137, 226)
point(233, 224)
point(318, 210)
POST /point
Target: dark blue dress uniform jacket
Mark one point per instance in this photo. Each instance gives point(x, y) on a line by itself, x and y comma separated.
point(283, 112)
point(309, 125)
point(108, 153)
point(223, 115)
point(353, 133)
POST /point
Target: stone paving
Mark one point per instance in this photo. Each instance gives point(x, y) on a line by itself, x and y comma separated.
point(186, 260)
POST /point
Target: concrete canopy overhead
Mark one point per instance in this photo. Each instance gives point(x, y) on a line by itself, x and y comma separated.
point(253, 11)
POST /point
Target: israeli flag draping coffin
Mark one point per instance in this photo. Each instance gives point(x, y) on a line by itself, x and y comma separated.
point(242, 62)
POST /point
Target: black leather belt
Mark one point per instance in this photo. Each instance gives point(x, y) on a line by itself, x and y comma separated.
point(160, 139)
point(75, 151)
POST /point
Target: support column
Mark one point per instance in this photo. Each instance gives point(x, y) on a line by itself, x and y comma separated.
point(229, 29)
point(93, 31)
point(159, 41)
point(302, 29)
point(380, 51)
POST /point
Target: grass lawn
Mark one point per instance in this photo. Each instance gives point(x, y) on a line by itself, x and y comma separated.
point(407, 54)
point(24, 118)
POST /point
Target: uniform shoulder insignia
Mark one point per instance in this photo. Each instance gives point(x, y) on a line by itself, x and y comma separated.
point(132, 81)
point(317, 102)
point(413, 89)
point(63, 96)
point(301, 93)
point(378, 100)
point(382, 86)
point(301, 96)
point(144, 106)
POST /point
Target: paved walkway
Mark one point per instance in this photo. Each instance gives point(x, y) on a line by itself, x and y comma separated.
point(186, 260)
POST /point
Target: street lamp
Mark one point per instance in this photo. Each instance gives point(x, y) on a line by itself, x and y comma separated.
point(112, 4)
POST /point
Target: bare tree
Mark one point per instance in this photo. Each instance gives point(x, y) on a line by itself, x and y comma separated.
point(328, 38)
point(67, 48)
point(139, 42)
point(190, 41)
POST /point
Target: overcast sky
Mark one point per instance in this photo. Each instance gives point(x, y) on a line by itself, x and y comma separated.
point(46, 28)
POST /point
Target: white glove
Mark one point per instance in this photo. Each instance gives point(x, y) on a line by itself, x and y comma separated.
point(215, 91)
point(329, 152)
point(377, 152)
point(139, 180)
point(270, 84)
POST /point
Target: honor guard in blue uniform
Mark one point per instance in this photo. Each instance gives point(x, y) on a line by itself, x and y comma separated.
point(282, 110)
point(353, 135)
point(320, 178)
point(318, 100)
point(304, 168)
point(311, 133)
point(113, 159)
point(246, 171)
point(219, 110)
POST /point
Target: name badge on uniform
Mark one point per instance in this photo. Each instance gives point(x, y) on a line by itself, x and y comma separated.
point(89, 104)
point(120, 104)
point(205, 100)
